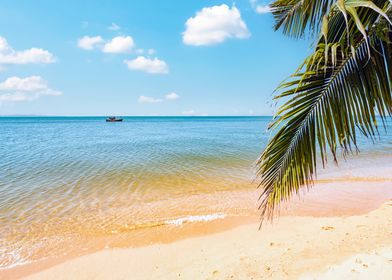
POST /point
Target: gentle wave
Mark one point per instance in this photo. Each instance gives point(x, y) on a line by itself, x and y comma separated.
point(15, 264)
point(174, 222)
point(15, 259)
point(198, 218)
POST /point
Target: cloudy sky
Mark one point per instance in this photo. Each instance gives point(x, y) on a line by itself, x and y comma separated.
point(141, 57)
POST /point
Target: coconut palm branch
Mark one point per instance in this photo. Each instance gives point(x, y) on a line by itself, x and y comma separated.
point(294, 16)
point(338, 92)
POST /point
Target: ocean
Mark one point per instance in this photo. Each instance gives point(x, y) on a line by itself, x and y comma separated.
point(65, 181)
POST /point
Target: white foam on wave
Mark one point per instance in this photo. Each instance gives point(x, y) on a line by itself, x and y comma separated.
point(14, 259)
point(17, 256)
point(197, 218)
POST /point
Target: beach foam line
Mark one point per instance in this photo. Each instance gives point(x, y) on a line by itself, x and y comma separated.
point(17, 260)
point(14, 259)
point(197, 218)
point(176, 222)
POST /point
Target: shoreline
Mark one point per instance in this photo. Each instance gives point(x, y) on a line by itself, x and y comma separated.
point(340, 198)
point(206, 231)
point(156, 235)
point(288, 249)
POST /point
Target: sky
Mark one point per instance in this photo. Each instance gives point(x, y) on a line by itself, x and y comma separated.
point(140, 57)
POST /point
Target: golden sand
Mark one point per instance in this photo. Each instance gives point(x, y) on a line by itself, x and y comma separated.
point(292, 248)
point(338, 200)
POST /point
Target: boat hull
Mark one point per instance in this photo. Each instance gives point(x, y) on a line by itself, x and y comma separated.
point(119, 120)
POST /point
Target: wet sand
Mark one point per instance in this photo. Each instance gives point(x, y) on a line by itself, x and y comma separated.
point(335, 219)
point(340, 201)
point(291, 248)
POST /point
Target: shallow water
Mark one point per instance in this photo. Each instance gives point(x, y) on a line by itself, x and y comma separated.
point(73, 178)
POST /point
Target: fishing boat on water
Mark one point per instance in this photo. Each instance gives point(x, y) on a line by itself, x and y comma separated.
point(114, 119)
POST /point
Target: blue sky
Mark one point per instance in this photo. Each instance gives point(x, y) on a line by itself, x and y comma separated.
point(167, 57)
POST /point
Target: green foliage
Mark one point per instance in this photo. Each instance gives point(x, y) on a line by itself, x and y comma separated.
point(340, 89)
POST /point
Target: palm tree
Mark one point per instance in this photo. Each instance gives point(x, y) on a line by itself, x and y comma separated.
point(342, 89)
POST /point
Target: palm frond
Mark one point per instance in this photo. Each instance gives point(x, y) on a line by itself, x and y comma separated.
point(294, 16)
point(342, 88)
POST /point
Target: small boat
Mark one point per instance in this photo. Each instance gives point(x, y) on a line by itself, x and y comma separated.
point(114, 119)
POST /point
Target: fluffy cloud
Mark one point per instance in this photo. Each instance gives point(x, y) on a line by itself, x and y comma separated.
point(114, 27)
point(152, 66)
point(260, 9)
point(148, 99)
point(119, 44)
point(34, 55)
point(126, 44)
point(89, 43)
point(213, 25)
point(15, 89)
point(172, 96)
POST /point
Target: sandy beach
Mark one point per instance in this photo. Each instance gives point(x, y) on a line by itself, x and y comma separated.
point(356, 247)
point(341, 229)
point(197, 140)
point(200, 222)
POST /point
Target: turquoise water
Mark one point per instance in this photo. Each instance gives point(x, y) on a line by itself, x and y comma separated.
point(42, 154)
point(62, 177)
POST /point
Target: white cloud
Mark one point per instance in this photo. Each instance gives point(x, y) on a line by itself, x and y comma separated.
point(15, 89)
point(119, 44)
point(34, 55)
point(152, 66)
point(148, 99)
point(126, 44)
point(260, 9)
point(89, 43)
point(213, 25)
point(172, 96)
point(114, 27)
point(32, 83)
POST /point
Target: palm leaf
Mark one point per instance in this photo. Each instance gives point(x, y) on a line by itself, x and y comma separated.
point(339, 93)
point(294, 16)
